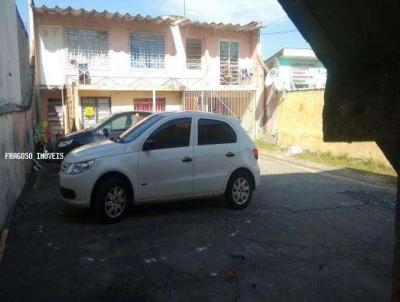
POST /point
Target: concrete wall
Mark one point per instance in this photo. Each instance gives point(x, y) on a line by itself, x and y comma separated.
point(16, 123)
point(24, 62)
point(299, 121)
point(10, 87)
point(16, 136)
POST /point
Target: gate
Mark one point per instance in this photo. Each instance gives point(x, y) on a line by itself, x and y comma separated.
point(231, 103)
point(238, 104)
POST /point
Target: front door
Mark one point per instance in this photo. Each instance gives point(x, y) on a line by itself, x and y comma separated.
point(166, 168)
point(215, 153)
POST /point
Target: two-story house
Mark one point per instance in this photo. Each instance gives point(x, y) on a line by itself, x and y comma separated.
point(91, 64)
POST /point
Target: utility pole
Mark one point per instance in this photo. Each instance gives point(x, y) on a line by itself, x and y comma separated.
point(184, 8)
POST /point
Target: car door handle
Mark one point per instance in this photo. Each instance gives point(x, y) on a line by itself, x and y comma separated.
point(230, 154)
point(187, 159)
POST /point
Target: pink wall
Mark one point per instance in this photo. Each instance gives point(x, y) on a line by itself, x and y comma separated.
point(44, 96)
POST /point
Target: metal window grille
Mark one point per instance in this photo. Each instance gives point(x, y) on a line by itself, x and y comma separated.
point(229, 68)
point(193, 54)
point(87, 47)
point(231, 103)
point(147, 51)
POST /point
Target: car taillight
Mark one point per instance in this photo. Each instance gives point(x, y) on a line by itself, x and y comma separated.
point(255, 153)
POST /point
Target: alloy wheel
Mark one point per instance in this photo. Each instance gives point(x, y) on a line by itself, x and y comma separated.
point(241, 191)
point(115, 202)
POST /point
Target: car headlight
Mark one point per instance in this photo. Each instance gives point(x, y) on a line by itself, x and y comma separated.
point(77, 168)
point(65, 143)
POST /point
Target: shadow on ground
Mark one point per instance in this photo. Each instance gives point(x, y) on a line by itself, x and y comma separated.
point(306, 236)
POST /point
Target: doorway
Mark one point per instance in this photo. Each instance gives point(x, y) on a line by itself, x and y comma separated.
point(55, 118)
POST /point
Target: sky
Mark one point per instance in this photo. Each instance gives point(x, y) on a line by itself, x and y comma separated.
point(269, 12)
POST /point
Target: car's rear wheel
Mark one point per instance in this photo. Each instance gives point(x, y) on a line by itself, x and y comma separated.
point(111, 200)
point(239, 190)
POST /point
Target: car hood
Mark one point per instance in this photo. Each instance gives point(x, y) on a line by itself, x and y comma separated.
point(77, 134)
point(95, 150)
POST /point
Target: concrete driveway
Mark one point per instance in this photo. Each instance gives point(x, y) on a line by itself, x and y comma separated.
point(309, 235)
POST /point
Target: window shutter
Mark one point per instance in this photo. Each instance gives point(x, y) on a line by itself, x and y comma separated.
point(193, 53)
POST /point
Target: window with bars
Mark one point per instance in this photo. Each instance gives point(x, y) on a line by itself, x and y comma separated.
point(147, 51)
point(229, 56)
point(193, 53)
point(87, 46)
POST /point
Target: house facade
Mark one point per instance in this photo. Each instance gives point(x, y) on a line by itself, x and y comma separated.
point(295, 69)
point(92, 64)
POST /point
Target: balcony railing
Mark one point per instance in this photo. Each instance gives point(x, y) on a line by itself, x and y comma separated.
point(134, 82)
point(142, 61)
point(95, 58)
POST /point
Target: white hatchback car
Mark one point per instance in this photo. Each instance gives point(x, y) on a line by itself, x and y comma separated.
point(167, 156)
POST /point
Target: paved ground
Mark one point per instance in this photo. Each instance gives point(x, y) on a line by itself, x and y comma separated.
point(307, 236)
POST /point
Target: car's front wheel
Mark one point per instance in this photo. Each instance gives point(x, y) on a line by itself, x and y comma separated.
point(111, 200)
point(239, 190)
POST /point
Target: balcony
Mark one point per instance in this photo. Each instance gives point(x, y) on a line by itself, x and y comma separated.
point(91, 70)
point(93, 81)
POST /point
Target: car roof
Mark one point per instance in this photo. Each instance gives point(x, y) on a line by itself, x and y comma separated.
point(200, 114)
point(131, 112)
point(181, 113)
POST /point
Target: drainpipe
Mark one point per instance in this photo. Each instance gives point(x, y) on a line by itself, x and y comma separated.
point(63, 109)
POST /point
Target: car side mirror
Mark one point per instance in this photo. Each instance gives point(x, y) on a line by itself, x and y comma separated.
point(106, 133)
point(148, 144)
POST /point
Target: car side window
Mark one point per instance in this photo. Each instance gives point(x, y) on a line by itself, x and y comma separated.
point(137, 117)
point(172, 134)
point(120, 123)
point(212, 132)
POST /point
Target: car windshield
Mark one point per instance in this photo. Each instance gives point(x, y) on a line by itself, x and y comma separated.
point(100, 124)
point(135, 131)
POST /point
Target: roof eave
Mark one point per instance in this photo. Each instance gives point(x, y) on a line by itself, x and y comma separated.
point(252, 26)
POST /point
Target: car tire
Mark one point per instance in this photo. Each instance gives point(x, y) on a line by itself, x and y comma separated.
point(239, 190)
point(111, 201)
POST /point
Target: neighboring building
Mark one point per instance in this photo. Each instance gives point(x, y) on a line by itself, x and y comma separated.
point(16, 110)
point(293, 69)
point(92, 64)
